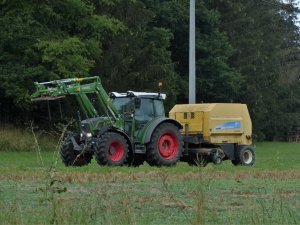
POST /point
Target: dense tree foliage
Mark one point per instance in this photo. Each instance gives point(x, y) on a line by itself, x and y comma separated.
point(266, 43)
point(247, 51)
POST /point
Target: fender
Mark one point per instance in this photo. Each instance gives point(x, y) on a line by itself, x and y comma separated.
point(156, 123)
point(128, 139)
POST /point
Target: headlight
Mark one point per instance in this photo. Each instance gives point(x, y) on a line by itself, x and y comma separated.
point(89, 134)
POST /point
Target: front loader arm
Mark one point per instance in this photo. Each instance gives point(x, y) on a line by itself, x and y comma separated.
point(79, 87)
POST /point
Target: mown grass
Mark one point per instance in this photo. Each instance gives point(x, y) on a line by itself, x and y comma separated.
point(35, 192)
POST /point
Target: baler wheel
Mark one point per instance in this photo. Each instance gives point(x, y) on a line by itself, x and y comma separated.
point(245, 156)
point(71, 157)
point(165, 146)
point(111, 149)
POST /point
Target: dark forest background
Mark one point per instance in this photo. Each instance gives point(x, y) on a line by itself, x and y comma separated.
point(247, 51)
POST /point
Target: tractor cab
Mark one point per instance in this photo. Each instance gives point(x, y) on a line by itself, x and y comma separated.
point(142, 107)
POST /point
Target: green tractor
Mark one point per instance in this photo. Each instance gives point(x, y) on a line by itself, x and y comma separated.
point(119, 129)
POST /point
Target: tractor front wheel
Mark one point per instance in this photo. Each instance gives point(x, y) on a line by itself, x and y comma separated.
point(165, 146)
point(111, 149)
point(71, 157)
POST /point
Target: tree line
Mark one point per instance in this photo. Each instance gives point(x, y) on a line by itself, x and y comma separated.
point(247, 51)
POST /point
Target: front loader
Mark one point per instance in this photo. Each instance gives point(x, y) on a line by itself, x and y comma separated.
point(119, 128)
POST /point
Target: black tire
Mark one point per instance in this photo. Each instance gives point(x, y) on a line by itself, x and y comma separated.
point(71, 157)
point(235, 162)
point(165, 146)
point(244, 156)
point(111, 149)
point(137, 160)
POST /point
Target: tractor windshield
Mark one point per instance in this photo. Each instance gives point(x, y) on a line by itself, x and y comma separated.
point(120, 103)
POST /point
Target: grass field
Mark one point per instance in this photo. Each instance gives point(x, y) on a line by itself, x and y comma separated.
point(36, 190)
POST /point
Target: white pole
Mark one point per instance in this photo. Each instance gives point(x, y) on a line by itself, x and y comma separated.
point(192, 56)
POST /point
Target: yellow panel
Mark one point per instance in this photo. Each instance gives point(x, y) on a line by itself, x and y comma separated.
point(206, 129)
point(217, 122)
point(224, 139)
point(193, 121)
point(193, 108)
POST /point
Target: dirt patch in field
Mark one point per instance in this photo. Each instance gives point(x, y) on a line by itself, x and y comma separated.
point(112, 177)
point(140, 176)
point(242, 192)
point(287, 193)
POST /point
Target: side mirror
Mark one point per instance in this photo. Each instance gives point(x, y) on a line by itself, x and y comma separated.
point(137, 103)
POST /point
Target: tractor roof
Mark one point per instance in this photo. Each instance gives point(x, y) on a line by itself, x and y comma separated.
point(138, 94)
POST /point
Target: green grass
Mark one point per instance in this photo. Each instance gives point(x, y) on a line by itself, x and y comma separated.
point(17, 139)
point(267, 193)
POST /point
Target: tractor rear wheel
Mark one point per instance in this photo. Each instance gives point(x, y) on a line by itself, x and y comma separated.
point(71, 157)
point(111, 149)
point(165, 146)
point(244, 156)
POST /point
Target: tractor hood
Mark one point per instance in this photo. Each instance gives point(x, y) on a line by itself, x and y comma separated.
point(92, 125)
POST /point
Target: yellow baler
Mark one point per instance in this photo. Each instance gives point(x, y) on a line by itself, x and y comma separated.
point(216, 132)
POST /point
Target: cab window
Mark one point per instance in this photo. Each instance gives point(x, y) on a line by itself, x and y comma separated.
point(122, 103)
point(159, 108)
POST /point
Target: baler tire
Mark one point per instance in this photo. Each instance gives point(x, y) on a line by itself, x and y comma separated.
point(165, 146)
point(111, 149)
point(71, 157)
point(245, 156)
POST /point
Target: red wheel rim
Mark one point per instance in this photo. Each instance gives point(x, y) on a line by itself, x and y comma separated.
point(168, 146)
point(116, 151)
